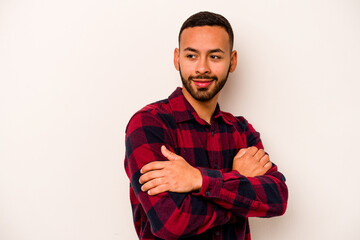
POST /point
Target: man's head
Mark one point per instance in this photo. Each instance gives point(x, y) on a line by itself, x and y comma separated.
point(208, 19)
point(205, 57)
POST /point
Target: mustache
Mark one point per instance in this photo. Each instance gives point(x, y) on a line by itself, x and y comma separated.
point(202, 77)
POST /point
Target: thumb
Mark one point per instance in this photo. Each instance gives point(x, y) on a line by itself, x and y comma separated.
point(168, 154)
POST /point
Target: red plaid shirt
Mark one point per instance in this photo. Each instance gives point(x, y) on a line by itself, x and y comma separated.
point(226, 199)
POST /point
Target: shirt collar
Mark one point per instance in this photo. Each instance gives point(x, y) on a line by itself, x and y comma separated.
point(183, 111)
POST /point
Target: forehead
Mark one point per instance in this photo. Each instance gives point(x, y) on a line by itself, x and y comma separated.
point(205, 37)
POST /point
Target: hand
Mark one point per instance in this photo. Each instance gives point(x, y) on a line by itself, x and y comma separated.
point(175, 175)
point(251, 162)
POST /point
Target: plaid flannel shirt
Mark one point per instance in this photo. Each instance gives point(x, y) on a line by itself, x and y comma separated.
point(221, 208)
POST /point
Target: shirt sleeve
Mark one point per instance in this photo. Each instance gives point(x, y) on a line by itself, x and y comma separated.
point(262, 196)
point(171, 215)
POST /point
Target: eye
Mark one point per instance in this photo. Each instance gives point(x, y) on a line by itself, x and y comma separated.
point(191, 56)
point(215, 57)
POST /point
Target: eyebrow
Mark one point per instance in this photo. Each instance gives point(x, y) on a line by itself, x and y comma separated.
point(210, 51)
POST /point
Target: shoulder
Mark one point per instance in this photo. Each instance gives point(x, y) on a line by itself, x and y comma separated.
point(157, 114)
point(245, 128)
point(238, 121)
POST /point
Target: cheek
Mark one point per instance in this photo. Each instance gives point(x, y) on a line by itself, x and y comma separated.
point(220, 70)
point(187, 64)
point(186, 68)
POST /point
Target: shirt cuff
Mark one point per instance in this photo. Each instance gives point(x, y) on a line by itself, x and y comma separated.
point(212, 182)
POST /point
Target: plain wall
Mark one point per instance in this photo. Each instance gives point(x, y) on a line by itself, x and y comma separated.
point(73, 72)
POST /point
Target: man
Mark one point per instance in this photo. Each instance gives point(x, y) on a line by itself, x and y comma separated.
point(197, 172)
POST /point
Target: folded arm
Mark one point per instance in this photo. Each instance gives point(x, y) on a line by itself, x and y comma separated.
point(253, 188)
point(259, 191)
point(172, 215)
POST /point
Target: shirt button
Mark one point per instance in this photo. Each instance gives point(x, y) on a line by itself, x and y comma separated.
point(212, 133)
point(216, 166)
point(217, 233)
point(207, 193)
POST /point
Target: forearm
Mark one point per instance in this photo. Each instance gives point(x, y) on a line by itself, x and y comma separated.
point(175, 215)
point(263, 196)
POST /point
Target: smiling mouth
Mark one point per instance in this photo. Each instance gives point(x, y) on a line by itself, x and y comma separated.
point(202, 84)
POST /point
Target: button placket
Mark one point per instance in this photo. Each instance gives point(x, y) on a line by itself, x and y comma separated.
point(216, 159)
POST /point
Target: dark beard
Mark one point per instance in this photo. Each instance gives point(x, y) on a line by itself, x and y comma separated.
point(204, 94)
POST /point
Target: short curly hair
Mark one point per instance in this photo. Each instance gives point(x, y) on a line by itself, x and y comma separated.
point(208, 19)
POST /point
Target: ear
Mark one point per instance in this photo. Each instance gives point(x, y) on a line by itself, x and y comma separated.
point(233, 61)
point(176, 58)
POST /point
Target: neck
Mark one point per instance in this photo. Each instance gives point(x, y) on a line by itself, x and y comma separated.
point(206, 109)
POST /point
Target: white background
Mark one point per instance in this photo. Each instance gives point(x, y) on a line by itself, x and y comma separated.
point(73, 72)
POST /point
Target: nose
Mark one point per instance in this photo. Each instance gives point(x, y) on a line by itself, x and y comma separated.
point(202, 66)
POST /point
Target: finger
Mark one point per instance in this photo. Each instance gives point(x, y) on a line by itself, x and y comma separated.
point(241, 153)
point(155, 165)
point(264, 160)
point(159, 189)
point(150, 175)
point(168, 154)
point(259, 154)
point(252, 150)
point(152, 184)
point(268, 165)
